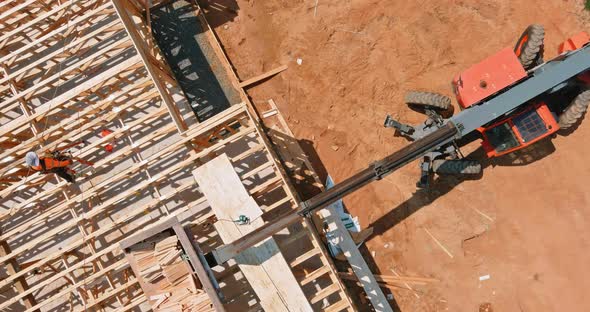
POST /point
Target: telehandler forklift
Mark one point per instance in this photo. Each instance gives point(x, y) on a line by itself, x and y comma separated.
point(510, 100)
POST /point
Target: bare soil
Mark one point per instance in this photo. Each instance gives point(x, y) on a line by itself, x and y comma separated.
point(525, 223)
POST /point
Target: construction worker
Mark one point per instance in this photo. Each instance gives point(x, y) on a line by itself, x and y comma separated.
point(56, 162)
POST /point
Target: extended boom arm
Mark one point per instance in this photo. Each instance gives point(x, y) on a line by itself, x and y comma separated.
point(545, 78)
point(375, 171)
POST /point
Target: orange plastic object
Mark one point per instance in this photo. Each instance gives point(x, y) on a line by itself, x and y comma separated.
point(488, 77)
point(574, 42)
point(109, 147)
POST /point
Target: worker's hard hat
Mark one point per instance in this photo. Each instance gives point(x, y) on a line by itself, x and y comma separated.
point(32, 159)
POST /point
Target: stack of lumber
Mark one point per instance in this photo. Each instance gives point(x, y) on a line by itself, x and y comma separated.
point(149, 267)
point(174, 288)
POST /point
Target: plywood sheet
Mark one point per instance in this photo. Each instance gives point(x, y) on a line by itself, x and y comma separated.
point(263, 265)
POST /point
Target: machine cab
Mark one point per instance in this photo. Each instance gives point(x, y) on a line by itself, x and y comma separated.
point(518, 130)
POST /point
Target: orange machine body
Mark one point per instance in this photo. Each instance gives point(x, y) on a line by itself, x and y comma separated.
point(488, 77)
point(519, 130)
point(574, 43)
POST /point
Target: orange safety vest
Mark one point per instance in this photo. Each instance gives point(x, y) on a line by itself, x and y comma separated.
point(48, 163)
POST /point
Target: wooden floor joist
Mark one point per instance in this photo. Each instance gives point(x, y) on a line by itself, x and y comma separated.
point(12, 268)
point(72, 69)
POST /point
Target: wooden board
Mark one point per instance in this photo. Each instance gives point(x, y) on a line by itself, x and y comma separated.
point(263, 265)
point(203, 273)
point(260, 77)
point(138, 247)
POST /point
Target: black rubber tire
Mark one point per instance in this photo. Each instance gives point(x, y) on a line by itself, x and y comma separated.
point(461, 166)
point(529, 47)
point(574, 112)
point(420, 100)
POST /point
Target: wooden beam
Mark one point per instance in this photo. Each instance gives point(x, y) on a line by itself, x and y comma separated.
point(315, 275)
point(260, 77)
point(119, 265)
point(324, 293)
point(38, 18)
point(106, 204)
point(14, 9)
point(201, 129)
point(342, 305)
point(391, 279)
point(77, 122)
point(12, 268)
point(75, 43)
point(137, 42)
point(191, 249)
point(304, 257)
point(10, 58)
point(81, 131)
point(147, 233)
point(88, 306)
point(62, 99)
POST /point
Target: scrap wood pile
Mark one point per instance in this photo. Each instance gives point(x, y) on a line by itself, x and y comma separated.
point(170, 282)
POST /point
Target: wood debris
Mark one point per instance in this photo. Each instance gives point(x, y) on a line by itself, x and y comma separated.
point(171, 279)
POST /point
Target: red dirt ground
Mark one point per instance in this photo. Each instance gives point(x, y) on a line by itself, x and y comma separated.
point(526, 226)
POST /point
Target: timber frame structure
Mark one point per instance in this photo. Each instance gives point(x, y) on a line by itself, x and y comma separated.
point(71, 68)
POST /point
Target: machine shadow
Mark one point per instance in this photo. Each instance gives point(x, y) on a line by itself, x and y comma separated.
point(313, 157)
point(421, 198)
point(444, 184)
point(180, 34)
